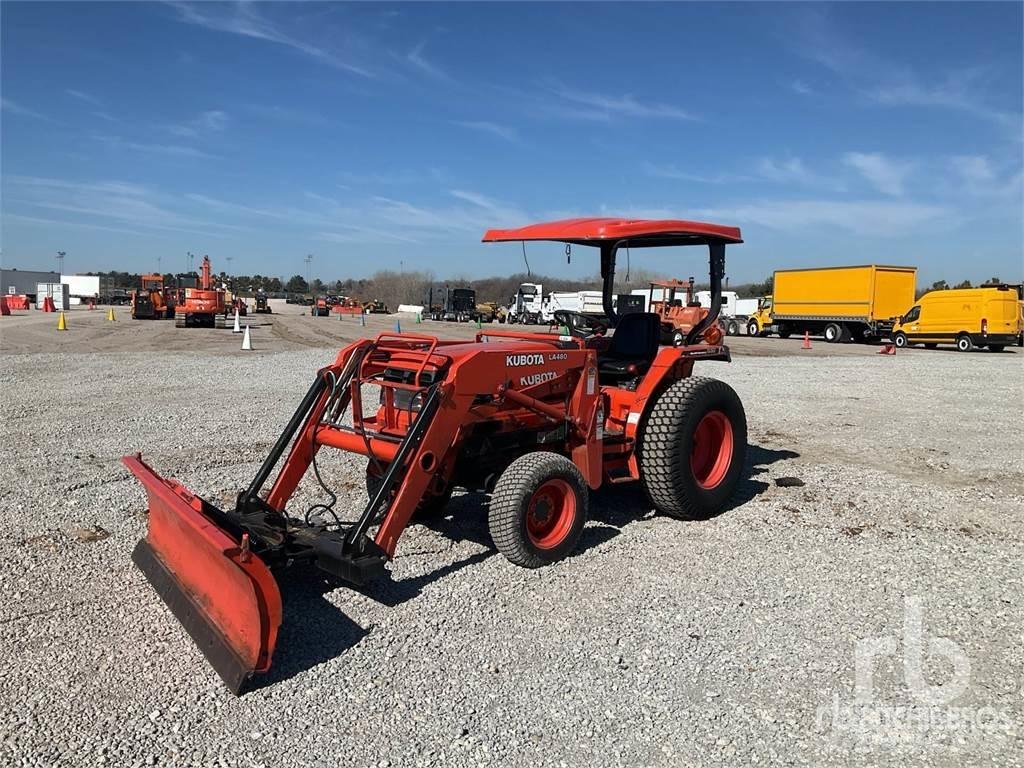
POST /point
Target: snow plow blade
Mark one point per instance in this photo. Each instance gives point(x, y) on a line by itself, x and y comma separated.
point(201, 566)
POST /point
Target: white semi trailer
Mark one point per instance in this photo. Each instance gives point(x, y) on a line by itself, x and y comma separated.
point(734, 311)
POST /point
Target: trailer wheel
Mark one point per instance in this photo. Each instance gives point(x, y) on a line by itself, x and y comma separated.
point(833, 333)
point(692, 448)
point(900, 339)
point(964, 343)
point(732, 329)
point(538, 509)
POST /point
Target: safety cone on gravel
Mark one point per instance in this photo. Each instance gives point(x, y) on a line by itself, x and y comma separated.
point(62, 323)
point(237, 328)
point(247, 341)
point(110, 314)
point(4, 309)
point(807, 341)
point(888, 349)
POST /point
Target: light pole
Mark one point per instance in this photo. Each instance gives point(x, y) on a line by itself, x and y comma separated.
point(158, 264)
point(308, 260)
point(188, 261)
point(60, 261)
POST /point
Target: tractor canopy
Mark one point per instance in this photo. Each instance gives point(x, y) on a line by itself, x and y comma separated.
point(611, 234)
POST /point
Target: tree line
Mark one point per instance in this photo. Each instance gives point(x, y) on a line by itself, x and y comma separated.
point(414, 287)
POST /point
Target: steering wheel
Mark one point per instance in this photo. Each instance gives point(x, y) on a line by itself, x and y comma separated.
point(580, 325)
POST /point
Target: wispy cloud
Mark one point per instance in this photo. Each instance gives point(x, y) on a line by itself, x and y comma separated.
point(210, 121)
point(505, 132)
point(800, 87)
point(420, 62)
point(885, 174)
point(793, 170)
point(15, 108)
point(243, 19)
point(88, 98)
point(680, 174)
point(882, 218)
point(45, 222)
point(601, 106)
point(169, 150)
point(892, 83)
point(100, 202)
point(285, 114)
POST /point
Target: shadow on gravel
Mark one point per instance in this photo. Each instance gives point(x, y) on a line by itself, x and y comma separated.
point(312, 629)
point(758, 459)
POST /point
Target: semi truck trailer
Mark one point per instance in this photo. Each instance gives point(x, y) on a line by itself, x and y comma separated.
point(839, 303)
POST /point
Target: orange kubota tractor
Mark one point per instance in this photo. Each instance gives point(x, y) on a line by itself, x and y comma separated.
point(680, 315)
point(153, 300)
point(203, 306)
point(539, 421)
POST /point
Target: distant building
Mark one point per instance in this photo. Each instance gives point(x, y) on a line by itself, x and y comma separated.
point(24, 281)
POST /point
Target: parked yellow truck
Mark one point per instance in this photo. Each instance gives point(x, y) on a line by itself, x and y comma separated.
point(967, 317)
point(840, 303)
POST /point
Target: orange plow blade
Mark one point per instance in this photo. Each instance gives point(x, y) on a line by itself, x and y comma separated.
point(201, 566)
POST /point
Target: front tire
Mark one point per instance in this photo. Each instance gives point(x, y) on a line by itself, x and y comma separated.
point(900, 340)
point(753, 329)
point(538, 509)
point(692, 448)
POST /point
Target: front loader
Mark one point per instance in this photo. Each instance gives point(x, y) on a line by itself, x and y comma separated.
point(538, 421)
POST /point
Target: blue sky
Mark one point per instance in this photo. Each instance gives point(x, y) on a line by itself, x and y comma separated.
point(380, 135)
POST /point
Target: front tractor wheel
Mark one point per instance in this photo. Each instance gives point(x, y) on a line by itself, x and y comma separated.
point(692, 448)
point(538, 509)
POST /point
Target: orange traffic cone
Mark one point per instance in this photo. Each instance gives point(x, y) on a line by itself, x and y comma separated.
point(4, 309)
point(888, 349)
point(807, 341)
point(92, 305)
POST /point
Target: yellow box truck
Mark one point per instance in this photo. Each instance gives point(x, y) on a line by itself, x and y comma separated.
point(840, 303)
point(967, 317)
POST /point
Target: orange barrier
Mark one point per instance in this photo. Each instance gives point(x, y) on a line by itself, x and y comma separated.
point(17, 302)
point(48, 305)
point(4, 309)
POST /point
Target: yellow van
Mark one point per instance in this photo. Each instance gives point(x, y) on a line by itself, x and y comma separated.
point(967, 317)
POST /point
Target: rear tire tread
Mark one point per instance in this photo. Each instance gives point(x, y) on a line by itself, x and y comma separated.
point(664, 458)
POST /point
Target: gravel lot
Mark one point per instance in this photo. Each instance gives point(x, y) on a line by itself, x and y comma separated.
point(663, 643)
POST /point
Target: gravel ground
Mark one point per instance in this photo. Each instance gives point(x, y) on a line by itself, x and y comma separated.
point(729, 641)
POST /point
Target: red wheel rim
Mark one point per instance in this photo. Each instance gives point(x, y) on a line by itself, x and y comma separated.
point(711, 455)
point(550, 514)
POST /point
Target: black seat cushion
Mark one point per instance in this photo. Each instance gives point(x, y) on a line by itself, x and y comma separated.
point(634, 343)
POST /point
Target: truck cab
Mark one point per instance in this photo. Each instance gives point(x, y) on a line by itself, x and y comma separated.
point(761, 320)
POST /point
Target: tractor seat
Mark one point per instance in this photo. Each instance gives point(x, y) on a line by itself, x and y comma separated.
point(633, 347)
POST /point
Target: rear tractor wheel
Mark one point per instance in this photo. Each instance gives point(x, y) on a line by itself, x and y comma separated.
point(964, 343)
point(538, 509)
point(692, 448)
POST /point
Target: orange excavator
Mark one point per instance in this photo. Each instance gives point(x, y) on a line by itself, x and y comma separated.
point(153, 300)
point(679, 318)
point(203, 306)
